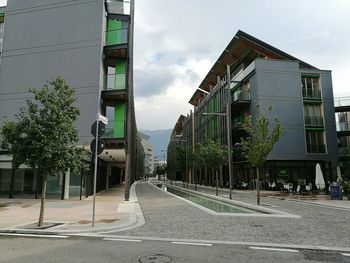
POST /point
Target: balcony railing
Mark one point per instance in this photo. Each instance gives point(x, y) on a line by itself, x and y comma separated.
point(118, 7)
point(343, 126)
point(316, 148)
point(115, 82)
point(341, 102)
point(115, 129)
point(313, 121)
point(241, 95)
point(311, 94)
point(116, 37)
point(344, 151)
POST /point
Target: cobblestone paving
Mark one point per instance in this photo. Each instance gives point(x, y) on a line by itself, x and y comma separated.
point(170, 217)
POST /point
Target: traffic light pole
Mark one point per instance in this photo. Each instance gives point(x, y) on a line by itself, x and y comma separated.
point(95, 174)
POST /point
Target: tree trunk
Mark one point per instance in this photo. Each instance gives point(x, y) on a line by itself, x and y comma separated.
point(12, 183)
point(257, 186)
point(43, 199)
point(205, 176)
point(217, 182)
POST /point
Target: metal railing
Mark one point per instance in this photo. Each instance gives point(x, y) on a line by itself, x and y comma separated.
point(241, 95)
point(316, 148)
point(118, 7)
point(340, 102)
point(115, 129)
point(343, 126)
point(313, 120)
point(311, 94)
point(116, 37)
point(344, 151)
point(115, 82)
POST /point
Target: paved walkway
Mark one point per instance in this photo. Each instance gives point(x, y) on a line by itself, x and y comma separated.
point(112, 212)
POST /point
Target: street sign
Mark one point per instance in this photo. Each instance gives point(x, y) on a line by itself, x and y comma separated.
point(102, 118)
point(100, 146)
point(101, 128)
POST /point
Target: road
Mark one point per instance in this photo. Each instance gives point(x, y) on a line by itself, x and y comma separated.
point(168, 216)
point(71, 249)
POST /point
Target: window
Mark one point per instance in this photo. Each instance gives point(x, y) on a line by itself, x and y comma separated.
point(311, 87)
point(1, 32)
point(313, 115)
point(315, 142)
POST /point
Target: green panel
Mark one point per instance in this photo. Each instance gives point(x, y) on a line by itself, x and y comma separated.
point(119, 121)
point(312, 101)
point(2, 14)
point(120, 76)
point(114, 32)
point(314, 129)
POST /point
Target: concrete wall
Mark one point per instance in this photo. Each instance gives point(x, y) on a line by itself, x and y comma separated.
point(46, 38)
point(278, 84)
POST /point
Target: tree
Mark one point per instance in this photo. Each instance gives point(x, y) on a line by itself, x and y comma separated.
point(44, 132)
point(213, 155)
point(260, 141)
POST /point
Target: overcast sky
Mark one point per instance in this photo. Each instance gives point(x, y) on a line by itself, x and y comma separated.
point(177, 42)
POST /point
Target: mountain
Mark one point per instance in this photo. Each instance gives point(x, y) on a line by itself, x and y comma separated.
point(159, 139)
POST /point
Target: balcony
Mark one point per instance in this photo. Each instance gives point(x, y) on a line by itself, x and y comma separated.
point(118, 7)
point(344, 151)
point(114, 136)
point(240, 99)
point(114, 89)
point(314, 121)
point(342, 104)
point(116, 45)
point(343, 126)
point(312, 94)
point(316, 148)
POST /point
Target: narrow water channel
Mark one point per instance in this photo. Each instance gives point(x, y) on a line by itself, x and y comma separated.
point(214, 205)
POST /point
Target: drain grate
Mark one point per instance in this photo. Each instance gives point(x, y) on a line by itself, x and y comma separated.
point(158, 258)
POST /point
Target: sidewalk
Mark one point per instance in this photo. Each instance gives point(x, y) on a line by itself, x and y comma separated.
point(324, 200)
point(74, 216)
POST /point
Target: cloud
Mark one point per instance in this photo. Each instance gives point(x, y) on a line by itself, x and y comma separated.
point(177, 42)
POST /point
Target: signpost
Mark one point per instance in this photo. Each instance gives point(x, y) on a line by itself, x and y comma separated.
point(97, 146)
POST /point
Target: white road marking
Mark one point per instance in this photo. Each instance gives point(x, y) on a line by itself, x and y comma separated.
point(32, 235)
point(275, 249)
point(123, 240)
point(346, 254)
point(193, 244)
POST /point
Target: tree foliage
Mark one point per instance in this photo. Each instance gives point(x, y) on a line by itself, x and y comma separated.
point(261, 138)
point(44, 131)
point(212, 154)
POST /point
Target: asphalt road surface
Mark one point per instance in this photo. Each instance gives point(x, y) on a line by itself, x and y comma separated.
point(71, 249)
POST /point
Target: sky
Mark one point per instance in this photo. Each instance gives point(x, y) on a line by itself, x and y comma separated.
point(177, 42)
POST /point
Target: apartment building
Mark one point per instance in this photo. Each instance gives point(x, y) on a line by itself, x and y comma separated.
point(149, 153)
point(342, 115)
point(90, 44)
point(251, 72)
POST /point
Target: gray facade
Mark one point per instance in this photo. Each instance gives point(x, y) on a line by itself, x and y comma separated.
point(47, 38)
point(88, 43)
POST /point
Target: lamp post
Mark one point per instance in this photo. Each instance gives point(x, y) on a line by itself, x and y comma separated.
point(164, 151)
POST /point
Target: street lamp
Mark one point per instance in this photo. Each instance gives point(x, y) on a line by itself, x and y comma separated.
point(164, 151)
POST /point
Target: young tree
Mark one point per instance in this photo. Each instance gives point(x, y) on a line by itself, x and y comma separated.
point(43, 135)
point(260, 141)
point(213, 155)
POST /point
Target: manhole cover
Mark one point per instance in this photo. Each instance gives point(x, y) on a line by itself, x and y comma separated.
point(156, 259)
